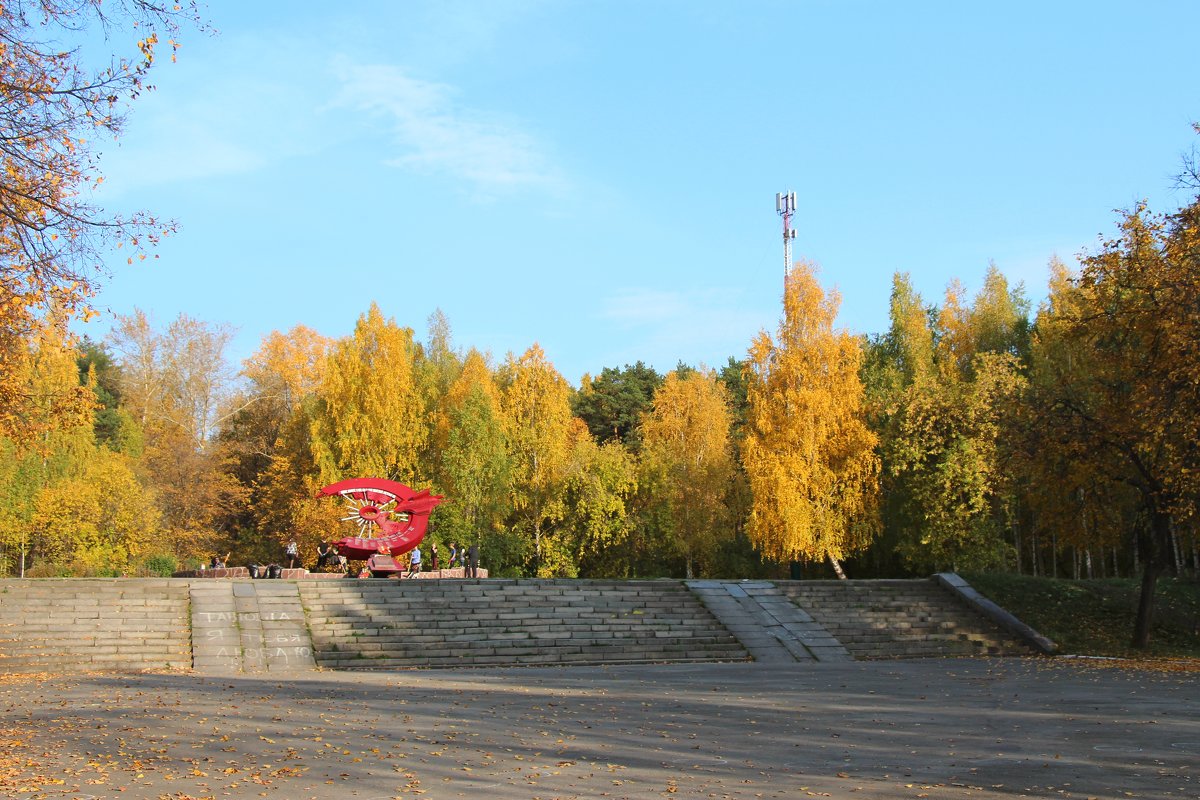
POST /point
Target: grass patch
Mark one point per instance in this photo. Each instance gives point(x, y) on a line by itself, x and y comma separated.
point(1095, 617)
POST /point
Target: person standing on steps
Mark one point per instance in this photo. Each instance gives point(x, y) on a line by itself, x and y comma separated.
point(453, 555)
point(291, 554)
point(473, 561)
point(414, 562)
point(433, 560)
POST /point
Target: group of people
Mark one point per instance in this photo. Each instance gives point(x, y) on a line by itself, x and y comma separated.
point(465, 557)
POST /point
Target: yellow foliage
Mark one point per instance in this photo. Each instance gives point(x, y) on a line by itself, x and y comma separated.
point(370, 420)
point(44, 397)
point(538, 421)
point(687, 457)
point(475, 373)
point(51, 234)
point(102, 518)
point(539, 426)
point(288, 366)
point(809, 455)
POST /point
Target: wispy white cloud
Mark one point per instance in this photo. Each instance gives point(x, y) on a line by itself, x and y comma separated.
point(203, 122)
point(176, 151)
point(433, 133)
point(698, 326)
point(637, 307)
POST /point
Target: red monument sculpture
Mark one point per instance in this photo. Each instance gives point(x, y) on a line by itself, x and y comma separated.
point(391, 517)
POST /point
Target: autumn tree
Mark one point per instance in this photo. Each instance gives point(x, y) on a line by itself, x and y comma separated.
point(54, 112)
point(687, 461)
point(68, 504)
point(100, 519)
point(54, 401)
point(282, 374)
point(598, 495)
point(474, 373)
point(943, 385)
point(440, 361)
point(284, 370)
point(359, 411)
point(371, 417)
point(897, 365)
point(175, 380)
point(538, 424)
point(1118, 379)
point(474, 466)
point(285, 503)
point(177, 384)
point(814, 473)
point(56, 440)
point(946, 455)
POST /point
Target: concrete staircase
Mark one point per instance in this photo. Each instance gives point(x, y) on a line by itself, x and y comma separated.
point(240, 626)
point(397, 624)
point(248, 626)
point(73, 625)
point(900, 619)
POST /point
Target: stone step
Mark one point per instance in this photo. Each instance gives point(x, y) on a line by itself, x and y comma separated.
point(899, 619)
point(497, 622)
point(230, 626)
point(93, 624)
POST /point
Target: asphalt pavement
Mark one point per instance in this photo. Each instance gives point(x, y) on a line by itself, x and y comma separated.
point(940, 728)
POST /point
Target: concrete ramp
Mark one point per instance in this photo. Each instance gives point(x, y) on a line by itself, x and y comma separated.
point(770, 626)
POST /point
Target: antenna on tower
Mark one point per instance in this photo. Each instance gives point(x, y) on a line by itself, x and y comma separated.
point(785, 206)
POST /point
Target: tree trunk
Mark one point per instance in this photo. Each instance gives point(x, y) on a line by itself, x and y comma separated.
point(1033, 552)
point(1016, 529)
point(1155, 543)
point(537, 548)
point(1195, 551)
point(1145, 611)
point(1176, 552)
point(837, 568)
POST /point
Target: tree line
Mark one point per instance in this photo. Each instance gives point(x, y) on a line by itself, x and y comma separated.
point(975, 434)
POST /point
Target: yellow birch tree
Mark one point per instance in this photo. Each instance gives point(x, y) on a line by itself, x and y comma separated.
point(687, 456)
point(371, 420)
point(266, 439)
point(810, 457)
point(473, 463)
point(536, 410)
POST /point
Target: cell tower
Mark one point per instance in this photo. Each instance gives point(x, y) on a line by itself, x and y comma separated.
point(785, 206)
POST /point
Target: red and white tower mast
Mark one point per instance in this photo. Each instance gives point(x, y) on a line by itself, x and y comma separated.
point(785, 206)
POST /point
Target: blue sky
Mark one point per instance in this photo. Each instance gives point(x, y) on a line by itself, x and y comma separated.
point(600, 177)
